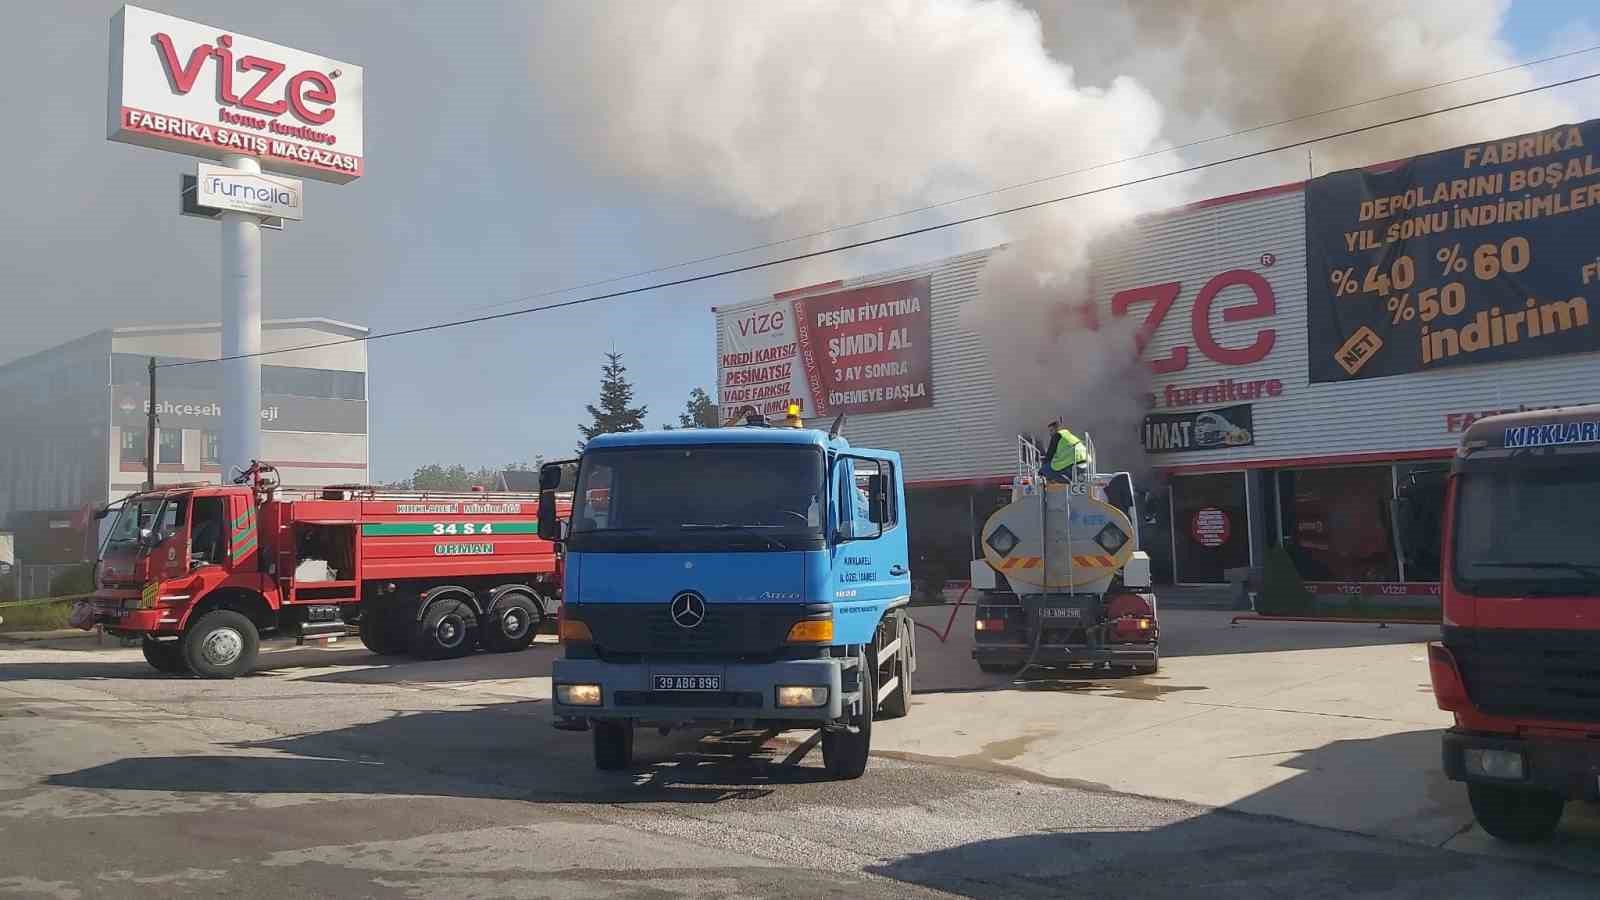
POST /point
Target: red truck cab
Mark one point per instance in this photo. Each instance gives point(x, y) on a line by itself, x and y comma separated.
point(1519, 663)
point(201, 571)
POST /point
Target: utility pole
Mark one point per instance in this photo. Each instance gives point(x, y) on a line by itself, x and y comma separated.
point(150, 433)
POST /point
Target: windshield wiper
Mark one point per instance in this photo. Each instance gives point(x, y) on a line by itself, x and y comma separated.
point(748, 529)
point(1586, 570)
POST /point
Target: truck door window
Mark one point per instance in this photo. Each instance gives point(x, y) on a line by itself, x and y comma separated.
point(207, 538)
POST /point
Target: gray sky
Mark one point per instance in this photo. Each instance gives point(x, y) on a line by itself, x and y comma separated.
point(472, 198)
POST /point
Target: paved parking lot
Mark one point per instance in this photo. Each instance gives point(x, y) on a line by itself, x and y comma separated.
point(1260, 761)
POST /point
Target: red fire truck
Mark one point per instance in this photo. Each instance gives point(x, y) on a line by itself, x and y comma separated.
point(201, 571)
point(1519, 665)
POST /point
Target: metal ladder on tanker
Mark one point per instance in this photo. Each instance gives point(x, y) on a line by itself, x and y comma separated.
point(1030, 468)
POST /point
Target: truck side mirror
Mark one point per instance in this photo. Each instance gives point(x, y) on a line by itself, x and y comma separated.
point(549, 524)
point(877, 501)
point(550, 477)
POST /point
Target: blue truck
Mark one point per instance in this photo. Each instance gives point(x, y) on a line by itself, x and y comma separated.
point(754, 576)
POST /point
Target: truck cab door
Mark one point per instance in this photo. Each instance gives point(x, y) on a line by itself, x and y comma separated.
point(870, 555)
point(169, 551)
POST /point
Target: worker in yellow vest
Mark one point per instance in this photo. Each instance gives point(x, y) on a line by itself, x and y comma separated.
point(1065, 455)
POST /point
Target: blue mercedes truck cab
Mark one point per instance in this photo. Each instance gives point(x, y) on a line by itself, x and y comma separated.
point(732, 578)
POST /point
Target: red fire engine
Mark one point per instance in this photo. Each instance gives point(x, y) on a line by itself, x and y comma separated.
point(201, 571)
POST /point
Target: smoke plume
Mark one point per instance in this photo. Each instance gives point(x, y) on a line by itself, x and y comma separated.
point(811, 113)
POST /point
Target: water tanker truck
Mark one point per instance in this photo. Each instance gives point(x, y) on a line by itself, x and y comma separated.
point(1062, 581)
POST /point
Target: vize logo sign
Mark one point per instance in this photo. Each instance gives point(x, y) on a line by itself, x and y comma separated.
point(197, 89)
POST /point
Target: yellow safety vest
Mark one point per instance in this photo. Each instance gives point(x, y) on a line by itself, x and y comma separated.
point(1069, 452)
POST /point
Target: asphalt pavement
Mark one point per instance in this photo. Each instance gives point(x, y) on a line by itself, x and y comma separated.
point(336, 773)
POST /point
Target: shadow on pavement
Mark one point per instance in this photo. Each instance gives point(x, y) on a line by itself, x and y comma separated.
point(500, 751)
point(364, 667)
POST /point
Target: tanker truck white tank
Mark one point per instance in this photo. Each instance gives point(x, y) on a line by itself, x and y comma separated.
point(1062, 581)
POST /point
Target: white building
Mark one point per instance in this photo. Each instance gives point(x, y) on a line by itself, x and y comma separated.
point(1252, 449)
point(73, 417)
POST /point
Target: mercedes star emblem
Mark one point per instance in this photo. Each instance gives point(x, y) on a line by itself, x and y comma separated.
point(688, 609)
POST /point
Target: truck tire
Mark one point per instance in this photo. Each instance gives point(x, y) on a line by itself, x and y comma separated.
point(510, 626)
point(844, 753)
point(898, 703)
point(448, 630)
point(1513, 815)
point(165, 656)
point(613, 746)
point(220, 644)
point(378, 631)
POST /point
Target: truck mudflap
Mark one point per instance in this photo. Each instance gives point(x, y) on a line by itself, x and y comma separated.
point(680, 693)
point(1570, 768)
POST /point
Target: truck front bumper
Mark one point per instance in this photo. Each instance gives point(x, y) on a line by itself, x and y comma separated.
point(1067, 654)
point(748, 692)
point(1570, 768)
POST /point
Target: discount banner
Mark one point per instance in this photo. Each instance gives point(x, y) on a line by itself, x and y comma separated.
point(861, 350)
point(1480, 254)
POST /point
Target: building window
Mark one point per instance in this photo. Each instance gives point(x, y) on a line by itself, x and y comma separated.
point(170, 451)
point(1419, 517)
point(208, 448)
point(1337, 523)
point(133, 445)
point(1211, 526)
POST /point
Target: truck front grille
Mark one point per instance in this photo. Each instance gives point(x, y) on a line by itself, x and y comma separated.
point(1552, 675)
point(729, 630)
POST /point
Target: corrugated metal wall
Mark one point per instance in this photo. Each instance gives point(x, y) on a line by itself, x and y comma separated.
point(959, 438)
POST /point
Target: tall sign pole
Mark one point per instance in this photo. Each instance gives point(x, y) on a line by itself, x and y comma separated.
point(241, 333)
point(256, 107)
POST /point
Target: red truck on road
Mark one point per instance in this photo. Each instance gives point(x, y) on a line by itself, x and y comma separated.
point(1519, 663)
point(201, 571)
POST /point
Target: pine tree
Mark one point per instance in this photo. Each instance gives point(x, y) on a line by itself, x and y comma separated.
point(613, 415)
point(698, 412)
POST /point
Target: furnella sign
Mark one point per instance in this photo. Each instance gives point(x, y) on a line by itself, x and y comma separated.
point(203, 91)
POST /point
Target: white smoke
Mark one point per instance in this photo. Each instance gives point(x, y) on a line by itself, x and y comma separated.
point(812, 113)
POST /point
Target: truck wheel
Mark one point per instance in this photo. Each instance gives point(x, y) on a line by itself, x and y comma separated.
point(511, 624)
point(221, 644)
point(898, 704)
point(378, 631)
point(448, 630)
point(164, 656)
point(1513, 815)
point(613, 745)
point(844, 753)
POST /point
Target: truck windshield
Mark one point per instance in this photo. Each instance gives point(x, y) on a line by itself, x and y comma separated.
point(1524, 531)
point(135, 514)
point(698, 499)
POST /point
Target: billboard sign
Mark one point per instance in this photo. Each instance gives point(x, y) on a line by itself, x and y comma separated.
point(187, 408)
point(203, 91)
point(220, 187)
point(1210, 429)
point(861, 350)
point(1479, 254)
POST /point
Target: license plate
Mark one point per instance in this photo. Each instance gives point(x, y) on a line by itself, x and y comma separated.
point(1061, 612)
point(688, 682)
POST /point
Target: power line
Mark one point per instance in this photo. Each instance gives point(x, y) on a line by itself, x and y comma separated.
point(833, 229)
point(855, 245)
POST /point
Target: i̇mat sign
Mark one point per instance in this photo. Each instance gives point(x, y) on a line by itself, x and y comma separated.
point(859, 350)
point(204, 91)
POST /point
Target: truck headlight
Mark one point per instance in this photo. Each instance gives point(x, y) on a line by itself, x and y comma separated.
point(578, 694)
point(804, 696)
point(1505, 765)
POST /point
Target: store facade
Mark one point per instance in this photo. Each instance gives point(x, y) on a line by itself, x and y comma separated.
point(1316, 351)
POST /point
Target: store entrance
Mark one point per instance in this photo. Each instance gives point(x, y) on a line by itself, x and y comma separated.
point(1210, 527)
